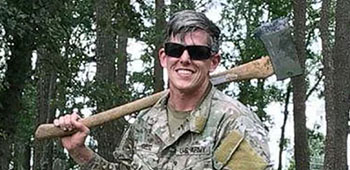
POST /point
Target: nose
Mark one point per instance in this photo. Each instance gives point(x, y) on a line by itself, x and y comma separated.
point(185, 57)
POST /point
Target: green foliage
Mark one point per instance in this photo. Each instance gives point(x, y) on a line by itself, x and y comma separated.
point(107, 94)
point(239, 21)
point(56, 27)
point(292, 165)
point(279, 8)
point(148, 35)
point(142, 79)
point(26, 122)
point(182, 5)
point(316, 142)
point(132, 23)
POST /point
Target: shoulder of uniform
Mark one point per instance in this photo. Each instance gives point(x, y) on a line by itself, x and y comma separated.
point(236, 152)
point(235, 113)
point(143, 112)
point(228, 104)
point(240, 127)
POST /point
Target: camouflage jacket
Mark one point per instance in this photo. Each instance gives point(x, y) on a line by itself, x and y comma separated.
point(220, 134)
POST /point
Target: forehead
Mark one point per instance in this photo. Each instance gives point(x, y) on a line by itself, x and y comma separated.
point(199, 37)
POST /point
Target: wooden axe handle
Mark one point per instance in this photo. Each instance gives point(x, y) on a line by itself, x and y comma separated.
point(260, 68)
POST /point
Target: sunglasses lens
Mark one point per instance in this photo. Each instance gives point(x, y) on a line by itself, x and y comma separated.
point(174, 50)
point(199, 52)
point(196, 52)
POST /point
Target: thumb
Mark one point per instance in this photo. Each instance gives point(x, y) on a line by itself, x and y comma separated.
point(80, 127)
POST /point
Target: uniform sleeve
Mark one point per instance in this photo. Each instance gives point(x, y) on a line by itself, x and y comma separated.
point(123, 156)
point(242, 144)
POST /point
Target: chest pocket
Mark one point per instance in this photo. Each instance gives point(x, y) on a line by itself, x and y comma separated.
point(146, 149)
point(192, 158)
point(145, 156)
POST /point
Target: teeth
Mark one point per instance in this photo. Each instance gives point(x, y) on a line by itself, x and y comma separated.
point(184, 72)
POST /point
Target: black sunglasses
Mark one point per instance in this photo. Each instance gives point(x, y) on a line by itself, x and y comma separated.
point(196, 52)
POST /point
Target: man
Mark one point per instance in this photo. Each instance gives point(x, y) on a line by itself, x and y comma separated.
point(194, 126)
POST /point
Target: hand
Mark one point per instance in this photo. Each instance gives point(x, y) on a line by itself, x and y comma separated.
point(71, 122)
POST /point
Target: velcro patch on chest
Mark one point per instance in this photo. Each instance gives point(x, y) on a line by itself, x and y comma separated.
point(193, 150)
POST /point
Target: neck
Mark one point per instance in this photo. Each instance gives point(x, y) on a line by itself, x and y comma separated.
point(186, 100)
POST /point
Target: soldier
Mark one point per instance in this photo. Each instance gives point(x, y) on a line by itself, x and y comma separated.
point(194, 126)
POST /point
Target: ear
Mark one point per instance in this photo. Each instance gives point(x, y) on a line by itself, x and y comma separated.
point(162, 57)
point(214, 62)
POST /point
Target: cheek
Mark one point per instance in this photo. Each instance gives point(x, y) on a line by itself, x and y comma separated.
point(170, 62)
point(204, 67)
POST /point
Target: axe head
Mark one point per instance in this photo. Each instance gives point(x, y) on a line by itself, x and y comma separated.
point(276, 36)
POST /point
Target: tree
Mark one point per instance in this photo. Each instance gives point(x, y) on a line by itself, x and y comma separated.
point(46, 88)
point(108, 92)
point(337, 75)
point(19, 36)
point(22, 145)
point(159, 29)
point(56, 66)
point(299, 89)
point(46, 28)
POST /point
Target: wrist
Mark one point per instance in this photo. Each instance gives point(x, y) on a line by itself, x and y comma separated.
point(81, 154)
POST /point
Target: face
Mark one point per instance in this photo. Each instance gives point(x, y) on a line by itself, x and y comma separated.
point(186, 74)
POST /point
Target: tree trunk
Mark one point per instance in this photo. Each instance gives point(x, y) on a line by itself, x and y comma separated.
point(108, 135)
point(22, 155)
point(329, 85)
point(46, 88)
point(17, 73)
point(282, 138)
point(159, 32)
point(301, 149)
point(122, 62)
point(337, 85)
point(5, 152)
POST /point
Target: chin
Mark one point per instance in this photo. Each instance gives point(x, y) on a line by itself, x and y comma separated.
point(184, 87)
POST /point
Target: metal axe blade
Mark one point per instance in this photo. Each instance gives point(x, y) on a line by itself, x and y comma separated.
point(276, 36)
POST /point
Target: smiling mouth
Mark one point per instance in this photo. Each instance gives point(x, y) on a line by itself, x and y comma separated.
point(184, 72)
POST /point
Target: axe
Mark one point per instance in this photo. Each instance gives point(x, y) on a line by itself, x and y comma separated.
point(277, 39)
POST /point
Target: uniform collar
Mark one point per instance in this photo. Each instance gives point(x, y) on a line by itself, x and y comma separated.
point(200, 114)
point(198, 117)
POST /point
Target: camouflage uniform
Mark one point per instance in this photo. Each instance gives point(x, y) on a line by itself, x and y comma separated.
point(220, 134)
